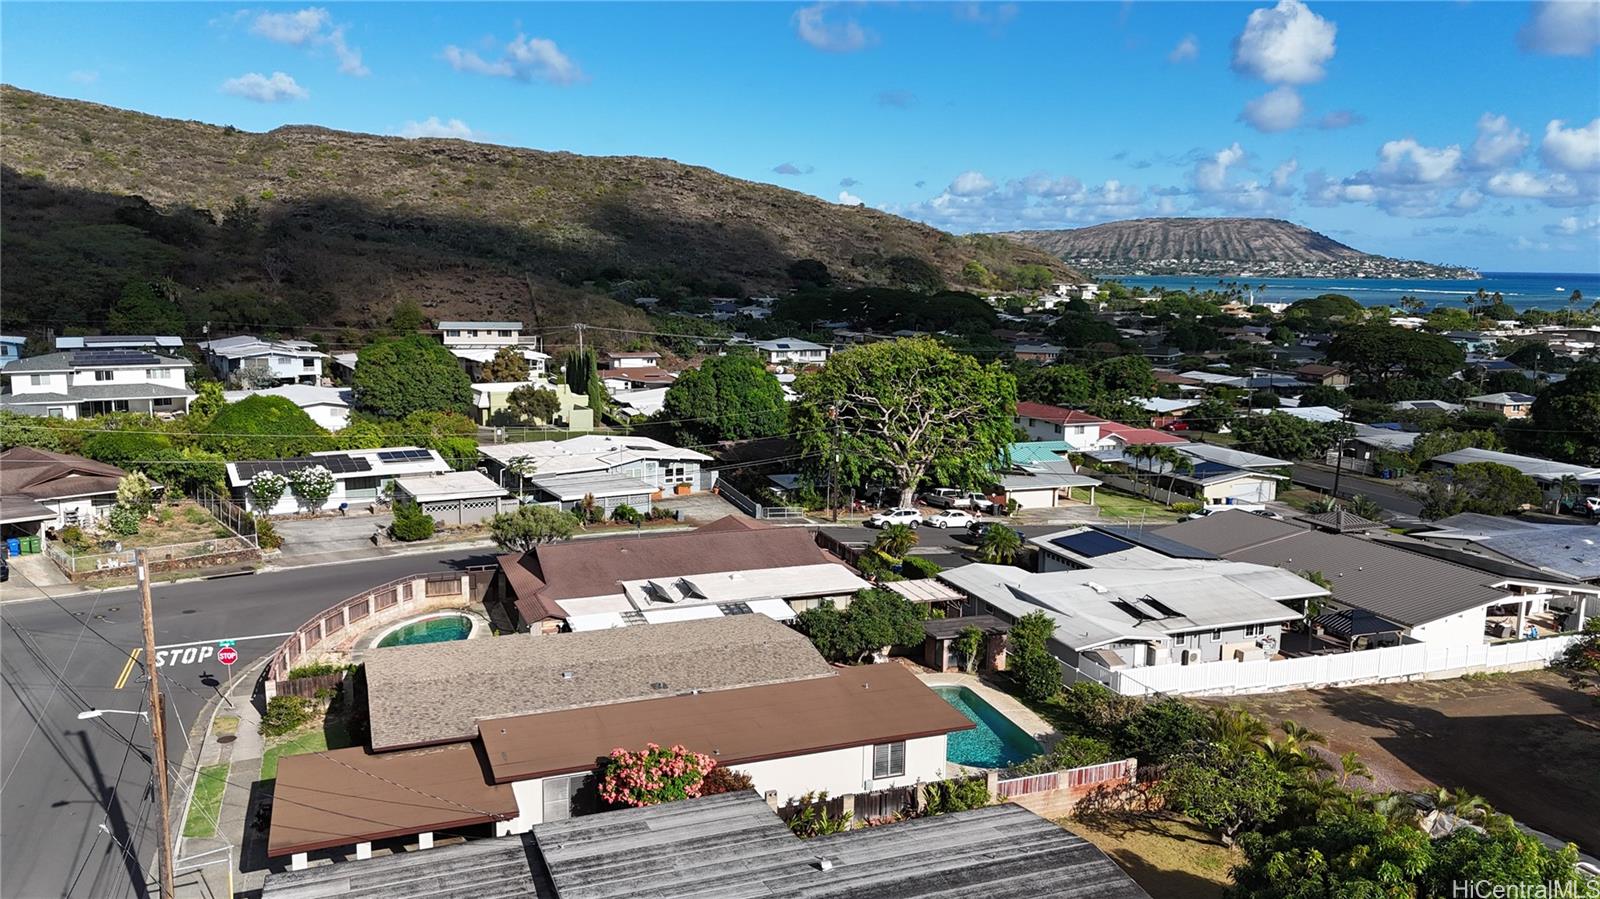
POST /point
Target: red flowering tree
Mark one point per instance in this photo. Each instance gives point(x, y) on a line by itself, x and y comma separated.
point(653, 775)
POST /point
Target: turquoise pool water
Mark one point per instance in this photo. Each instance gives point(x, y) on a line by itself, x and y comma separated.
point(429, 630)
point(996, 742)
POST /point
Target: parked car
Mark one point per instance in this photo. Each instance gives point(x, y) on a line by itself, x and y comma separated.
point(951, 518)
point(900, 515)
point(1590, 506)
point(950, 498)
point(1265, 513)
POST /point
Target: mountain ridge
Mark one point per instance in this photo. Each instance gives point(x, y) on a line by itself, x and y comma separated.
point(342, 226)
point(1220, 245)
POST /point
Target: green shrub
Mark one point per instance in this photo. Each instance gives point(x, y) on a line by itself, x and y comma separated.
point(267, 536)
point(626, 514)
point(73, 537)
point(286, 714)
point(917, 568)
point(1071, 751)
point(411, 523)
point(1185, 508)
point(318, 669)
point(956, 795)
point(123, 520)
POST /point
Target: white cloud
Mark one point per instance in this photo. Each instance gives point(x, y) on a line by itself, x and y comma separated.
point(812, 25)
point(310, 27)
point(1287, 44)
point(1523, 243)
point(1562, 28)
point(1186, 49)
point(1572, 226)
point(523, 59)
point(1211, 175)
point(1277, 110)
point(1531, 186)
point(846, 198)
point(1571, 149)
point(1280, 177)
point(83, 76)
point(1499, 143)
point(432, 126)
point(1467, 201)
point(970, 184)
point(1406, 162)
point(262, 89)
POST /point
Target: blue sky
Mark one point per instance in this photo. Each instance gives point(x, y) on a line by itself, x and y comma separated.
point(1453, 132)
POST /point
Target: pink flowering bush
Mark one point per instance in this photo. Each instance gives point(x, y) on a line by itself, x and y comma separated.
point(653, 775)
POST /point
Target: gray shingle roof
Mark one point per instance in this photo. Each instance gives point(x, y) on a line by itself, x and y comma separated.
point(437, 692)
point(63, 362)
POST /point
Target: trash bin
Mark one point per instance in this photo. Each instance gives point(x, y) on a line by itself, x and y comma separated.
point(13, 546)
point(33, 545)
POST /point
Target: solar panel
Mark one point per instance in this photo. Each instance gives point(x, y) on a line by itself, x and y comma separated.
point(405, 455)
point(1091, 544)
point(112, 357)
point(1164, 545)
point(733, 608)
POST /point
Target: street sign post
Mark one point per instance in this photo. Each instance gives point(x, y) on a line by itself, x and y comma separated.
point(227, 655)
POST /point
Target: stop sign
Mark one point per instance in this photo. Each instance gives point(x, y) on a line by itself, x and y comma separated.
point(227, 655)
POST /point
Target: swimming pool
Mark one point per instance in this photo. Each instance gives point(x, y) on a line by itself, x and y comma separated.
point(438, 629)
point(996, 742)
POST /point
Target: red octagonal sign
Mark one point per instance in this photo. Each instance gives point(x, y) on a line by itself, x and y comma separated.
point(227, 655)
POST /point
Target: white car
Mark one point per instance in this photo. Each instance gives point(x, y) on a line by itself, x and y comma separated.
point(902, 515)
point(951, 518)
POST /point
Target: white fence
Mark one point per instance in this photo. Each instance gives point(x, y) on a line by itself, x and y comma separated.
point(1415, 661)
point(1069, 779)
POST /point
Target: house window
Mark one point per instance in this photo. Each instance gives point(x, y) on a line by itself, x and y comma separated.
point(1255, 630)
point(889, 760)
point(38, 380)
point(1216, 633)
point(308, 363)
point(676, 473)
point(104, 375)
point(560, 796)
point(1181, 639)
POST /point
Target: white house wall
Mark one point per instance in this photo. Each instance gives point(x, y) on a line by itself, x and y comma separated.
point(1463, 627)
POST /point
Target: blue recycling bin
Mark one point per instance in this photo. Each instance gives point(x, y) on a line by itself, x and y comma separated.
point(13, 547)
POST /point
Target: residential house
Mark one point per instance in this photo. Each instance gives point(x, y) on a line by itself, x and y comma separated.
point(476, 343)
point(735, 844)
point(150, 343)
point(1365, 452)
point(612, 582)
point(507, 731)
point(1434, 600)
point(1510, 404)
point(241, 360)
point(1546, 473)
point(639, 359)
point(329, 407)
point(1427, 406)
point(84, 383)
point(1517, 548)
point(454, 498)
point(1080, 430)
point(640, 403)
point(611, 470)
point(1165, 413)
point(1317, 414)
point(489, 399)
point(360, 477)
point(1115, 435)
point(1043, 486)
point(791, 351)
point(1041, 353)
point(1325, 375)
point(1162, 355)
point(1237, 458)
point(1204, 479)
point(10, 349)
point(1208, 611)
point(622, 380)
point(1471, 342)
point(40, 489)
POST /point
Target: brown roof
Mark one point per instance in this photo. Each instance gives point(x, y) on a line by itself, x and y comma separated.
point(1316, 369)
point(540, 579)
point(349, 796)
point(434, 693)
point(856, 707)
point(40, 474)
point(1169, 377)
point(1057, 414)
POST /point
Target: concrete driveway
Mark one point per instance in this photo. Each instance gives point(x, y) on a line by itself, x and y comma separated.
point(339, 538)
point(698, 508)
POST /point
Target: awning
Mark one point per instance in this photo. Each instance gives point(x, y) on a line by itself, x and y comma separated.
point(597, 622)
point(687, 613)
point(775, 609)
point(925, 590)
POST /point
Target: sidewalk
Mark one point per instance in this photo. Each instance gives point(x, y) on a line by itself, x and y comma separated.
point(236, 849)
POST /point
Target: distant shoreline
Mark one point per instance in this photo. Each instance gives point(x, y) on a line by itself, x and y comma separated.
point(1520, 290)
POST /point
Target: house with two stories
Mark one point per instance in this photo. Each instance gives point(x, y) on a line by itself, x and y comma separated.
point(1324, 375)
point(42, 490)
point(633, 359)
point(1511, 404)
point(1041, 421)
point(476, 343)
point(165, 344)
point(507, 731)
point(614, 470)
point(85, 383)
point(10, 349)
point(791, 352)
point(360, 477)
point(633, 580)
point(246, 361)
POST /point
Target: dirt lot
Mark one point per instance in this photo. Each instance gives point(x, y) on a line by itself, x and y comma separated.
point(1528, 743)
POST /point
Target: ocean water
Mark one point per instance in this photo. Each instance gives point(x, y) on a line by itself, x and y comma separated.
point(1521, 290)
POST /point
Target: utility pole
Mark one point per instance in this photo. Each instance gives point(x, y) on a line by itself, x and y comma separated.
point(833, 467)
point(158, 729)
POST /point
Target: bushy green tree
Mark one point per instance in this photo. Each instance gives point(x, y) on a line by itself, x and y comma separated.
point(730, 397)
point(1029, 659)
point(529, 403)
point(1285, 436)
point(1323, 395)
point(1567, 416)
point(395, 378)
point(903, 410)
point(1380, 352)
point(411, 523)
point(1056, 385)
point(142, 309)
point(1487, 488)
point(1160, 730)
point(127, 449)
point(529, 526)
point(1223, 789)
point(507, 366)
point(874, 619)
point(263, 427)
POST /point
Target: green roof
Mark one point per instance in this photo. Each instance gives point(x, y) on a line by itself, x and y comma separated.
point(1038, 451)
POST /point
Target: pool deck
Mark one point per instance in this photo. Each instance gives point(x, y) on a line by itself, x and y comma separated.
point(1003, 702)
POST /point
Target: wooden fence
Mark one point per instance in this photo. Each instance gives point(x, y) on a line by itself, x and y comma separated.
point(1075, 779)
point(307, 687)
point(336, 619)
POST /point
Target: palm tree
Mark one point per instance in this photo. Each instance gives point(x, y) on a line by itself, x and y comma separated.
point(1322, 504)
point(1350, 766)
point(999, 545)
point(1460, 803)
point(1300, 734)
point(1573, 299)
point(1569, 489)
point(896, 540)
point(1236, 728)
point(1364, 506)
point(1177, 464)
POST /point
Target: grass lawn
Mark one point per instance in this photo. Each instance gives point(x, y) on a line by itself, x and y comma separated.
point(1299, 497)
point(1170, 857)
point(1133, 509)
point(309, 741)
point(206, 804)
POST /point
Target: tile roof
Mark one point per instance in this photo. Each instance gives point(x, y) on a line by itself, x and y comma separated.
point(1057, 414)
point(1133, 436)
point(852, 706)
point(66, 361)
point(437, 692)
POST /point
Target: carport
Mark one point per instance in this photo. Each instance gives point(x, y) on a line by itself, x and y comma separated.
point(22, 517)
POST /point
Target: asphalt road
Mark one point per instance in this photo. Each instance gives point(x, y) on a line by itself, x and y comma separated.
point(76, 809)
point(1390, 497)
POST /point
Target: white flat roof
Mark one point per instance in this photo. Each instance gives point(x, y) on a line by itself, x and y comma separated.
point(449, 485)
point(792, 581)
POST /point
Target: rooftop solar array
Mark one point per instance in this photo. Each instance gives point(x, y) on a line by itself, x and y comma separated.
point(733, 608)
point(337, 463)
point(1163, 545)
point(405, 455)
point(1091, 544)
point(113, 357)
